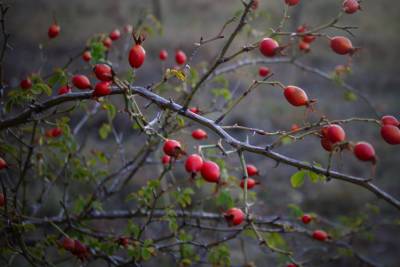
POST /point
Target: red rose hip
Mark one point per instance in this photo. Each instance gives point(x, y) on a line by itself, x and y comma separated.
point(296, 96)
point(103, 72)
point(306, 218)
point(210, 172)
point(199, 134)
point(269, 47)
point(351, 6)
point(251, 170)
point(364, 151)
point(172, 148)
point(292, 2)
point(320, 235)
point(163, 55)
point(81, 82)
point(54, 31)
point(234, 216)
point(102, 89)
point(341, 45)
point(263, 71)
point(26, 84)
point(180, 57)
point(250, 183)
point(193, 163)
point(391, 134)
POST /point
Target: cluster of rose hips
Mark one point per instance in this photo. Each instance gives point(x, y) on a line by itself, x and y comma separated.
point(76, 247)
point(180, 56)
point(339, 44)
point(208, 169)
point(349, 6)
point(333, 136)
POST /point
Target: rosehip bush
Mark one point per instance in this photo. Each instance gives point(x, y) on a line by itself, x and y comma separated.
point(142, 147)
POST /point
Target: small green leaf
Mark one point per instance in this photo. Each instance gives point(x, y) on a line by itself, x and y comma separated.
point(297, 179)
point(104, 130)
point(224, 199)
point(350, 96)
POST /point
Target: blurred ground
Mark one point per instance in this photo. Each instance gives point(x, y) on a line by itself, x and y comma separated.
point(375, 72)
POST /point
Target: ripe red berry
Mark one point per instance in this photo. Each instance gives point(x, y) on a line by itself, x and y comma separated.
point(255, 4)
point(137, 55)
point(54, 132)
point(305, 47)
point(123, 241)
point(291, 265)
point(195, 110)
point(263, 71)
point(172, 148)
point(296, 96)
point(320, 235)
point(251, 170)
point(309, 38)
point(107, 42)
point(80, 250)
point(103, 72)
point(234, 216)
point(102, 89)
point(180, 57)
point(306, 218)
point(351, 6)
point(250, 183)
point(391, 134)
point(269, 47)
point(81, 82)
point(2, 200)
point(3, 164)
point(68, 244)
point(64, 90)
point(163, 55)
point(326, 144)
point(165, 160)
point(87, 56)
point(193, 163)
point(210, 172)
point(199, 134)
point(335, 133)
point(292, 2)
point(364, 151)
point(341, 45)
point(390, 120)
point(295, 127)
point(26, 84)
point(53, 31)
point(115, 34)
point(301, 28)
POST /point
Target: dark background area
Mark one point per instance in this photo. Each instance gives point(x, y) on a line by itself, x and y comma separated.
point(374, 72)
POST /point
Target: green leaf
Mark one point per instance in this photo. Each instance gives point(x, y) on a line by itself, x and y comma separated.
point(295, 210)
point(224, 92)
point(97, 50)
point(111, 110)
point(40, 88)
point(104, 130)
point(59, 77)
point(297, 179)
point(275, 240)
point(220, 256)
point(350, 96)
point(224, 199)
point(132, 229)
